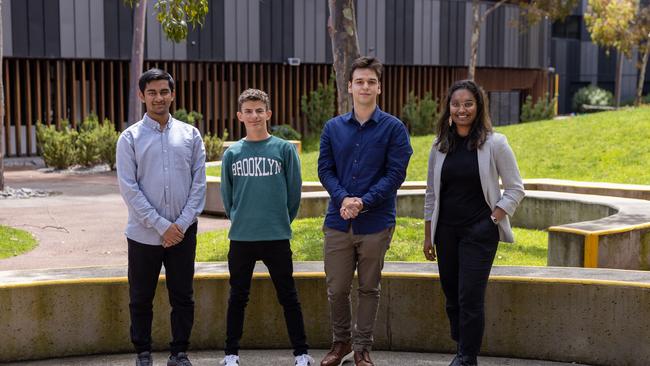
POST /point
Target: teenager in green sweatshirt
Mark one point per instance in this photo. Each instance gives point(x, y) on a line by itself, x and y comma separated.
point(260, 188)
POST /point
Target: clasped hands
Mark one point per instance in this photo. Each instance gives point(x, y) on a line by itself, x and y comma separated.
point(351, 207)
point(173, 235)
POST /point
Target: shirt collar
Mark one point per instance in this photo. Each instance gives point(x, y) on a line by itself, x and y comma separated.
point(376, 115)
point(149, 122)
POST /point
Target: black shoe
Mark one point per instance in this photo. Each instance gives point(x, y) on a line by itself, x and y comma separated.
point(179, 360)
point(456, 361)
point(468, 361)
point(144, 359)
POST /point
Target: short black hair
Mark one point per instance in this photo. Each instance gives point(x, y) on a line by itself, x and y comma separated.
point(155, 74)
point(365, 62)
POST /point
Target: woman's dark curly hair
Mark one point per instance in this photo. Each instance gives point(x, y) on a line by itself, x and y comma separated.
point(481, 126)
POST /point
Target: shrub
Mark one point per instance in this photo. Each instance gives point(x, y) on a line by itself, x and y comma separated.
point(214, 145)
point(592, 95)
point(285, 132)
point(646, 99)
point(107, 137)
point(193, 118)
point(181, 115)
point(57, 147)
point(87, 142)
point(543, 109)
point(319, 106)
point(420, 114)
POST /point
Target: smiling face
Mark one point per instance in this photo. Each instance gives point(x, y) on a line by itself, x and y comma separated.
point(254, 115)
point(158, 97)
point(463, 109)
point(364, 87)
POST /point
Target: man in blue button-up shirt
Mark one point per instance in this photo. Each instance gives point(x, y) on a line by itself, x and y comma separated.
point(362, 162)
point(161, 174)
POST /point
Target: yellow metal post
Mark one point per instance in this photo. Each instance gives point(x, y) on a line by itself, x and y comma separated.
point(591, 251)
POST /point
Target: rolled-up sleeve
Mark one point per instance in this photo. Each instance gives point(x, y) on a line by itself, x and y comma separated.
point(513, 185)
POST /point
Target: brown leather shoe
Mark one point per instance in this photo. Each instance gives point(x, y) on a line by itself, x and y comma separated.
point(340, 351)
point(362, 358)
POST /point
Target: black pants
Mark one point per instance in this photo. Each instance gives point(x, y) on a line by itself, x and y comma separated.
point(276, 255)
point(145, 262)
point(465, 257)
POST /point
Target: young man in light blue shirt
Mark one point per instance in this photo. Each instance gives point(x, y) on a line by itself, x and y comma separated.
point(161, 174)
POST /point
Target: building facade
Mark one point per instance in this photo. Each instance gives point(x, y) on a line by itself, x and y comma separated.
point(65, 59)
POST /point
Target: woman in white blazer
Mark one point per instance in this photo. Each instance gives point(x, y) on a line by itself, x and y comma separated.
point(465, 212)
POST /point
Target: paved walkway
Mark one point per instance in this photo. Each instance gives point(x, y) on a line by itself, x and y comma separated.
point(284, 357)
point(81, 226)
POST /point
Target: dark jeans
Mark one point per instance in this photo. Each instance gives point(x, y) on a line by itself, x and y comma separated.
point(276, 255)
point(465, 257)
point(145, 262)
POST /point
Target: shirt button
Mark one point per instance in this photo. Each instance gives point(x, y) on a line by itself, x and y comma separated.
point(164, 150)
point(165, 168)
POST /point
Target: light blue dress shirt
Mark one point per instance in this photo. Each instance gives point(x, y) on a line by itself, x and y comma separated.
point(161, 175)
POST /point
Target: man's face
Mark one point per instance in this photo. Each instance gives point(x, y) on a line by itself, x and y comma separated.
point(158, 97)
point(364, 87)
point(254, 115)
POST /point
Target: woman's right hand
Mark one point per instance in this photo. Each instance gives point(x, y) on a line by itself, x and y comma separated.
point(429, 250)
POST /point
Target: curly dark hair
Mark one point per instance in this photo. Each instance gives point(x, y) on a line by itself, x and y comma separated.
point(481, 126)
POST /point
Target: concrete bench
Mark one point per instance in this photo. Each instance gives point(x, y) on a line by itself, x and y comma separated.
point(589, 316)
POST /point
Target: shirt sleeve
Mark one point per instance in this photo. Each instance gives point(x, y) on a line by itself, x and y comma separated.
point(397, 160)
point(429, 195)
point(140, 208)
point(327, 170)
point(226, 182)
point(196, 199)
point(294, 181)
point(513, 185)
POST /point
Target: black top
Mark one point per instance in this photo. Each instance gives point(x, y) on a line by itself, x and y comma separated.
point(461, 197)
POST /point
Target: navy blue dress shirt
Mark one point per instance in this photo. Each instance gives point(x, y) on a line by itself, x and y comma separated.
point(363, 160)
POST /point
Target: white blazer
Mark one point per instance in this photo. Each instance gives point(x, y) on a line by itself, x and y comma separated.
point(495, 160)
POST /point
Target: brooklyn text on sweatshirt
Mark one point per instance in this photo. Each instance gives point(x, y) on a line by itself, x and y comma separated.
point(256, 167)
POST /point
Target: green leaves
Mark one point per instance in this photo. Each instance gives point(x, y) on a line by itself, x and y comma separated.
point(175, 15)
point(610, 23)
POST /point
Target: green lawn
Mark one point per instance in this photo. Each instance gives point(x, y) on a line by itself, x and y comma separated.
point(529, 249)
point(14, 242)
point(602, 147)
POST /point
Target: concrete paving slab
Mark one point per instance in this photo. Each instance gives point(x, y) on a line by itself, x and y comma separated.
point(284, 357)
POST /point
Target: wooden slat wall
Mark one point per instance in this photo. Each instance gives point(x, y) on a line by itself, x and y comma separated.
point(63, 92)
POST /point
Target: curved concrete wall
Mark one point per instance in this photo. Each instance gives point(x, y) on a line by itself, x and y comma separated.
point(582, 320)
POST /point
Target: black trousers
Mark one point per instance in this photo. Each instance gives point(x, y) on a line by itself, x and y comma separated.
point(145, 262)
point(465, 257)
point(276, 255)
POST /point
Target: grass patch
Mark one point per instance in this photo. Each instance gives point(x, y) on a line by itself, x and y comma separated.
point(14, 242)
point(600, 147)
point(529, 249)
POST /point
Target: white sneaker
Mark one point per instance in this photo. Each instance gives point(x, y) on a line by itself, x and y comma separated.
point(230, 360)
point(304, 360)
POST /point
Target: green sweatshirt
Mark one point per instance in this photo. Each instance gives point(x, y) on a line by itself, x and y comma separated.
point(260, 188)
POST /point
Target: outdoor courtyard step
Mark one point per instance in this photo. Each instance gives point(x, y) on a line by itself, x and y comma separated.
point(284, 357)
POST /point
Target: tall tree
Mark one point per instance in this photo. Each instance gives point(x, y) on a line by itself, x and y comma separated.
point(641, 31)
point(2, 110)
point(342, 26)
point(610, 24)
point(533, 13)
point(174, 16)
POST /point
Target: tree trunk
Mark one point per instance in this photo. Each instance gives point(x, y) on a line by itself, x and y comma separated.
point(137, 60)
point(476, 32)
point(342, 28)
point(2, 111)
point(644, 65)
point(619, 77)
